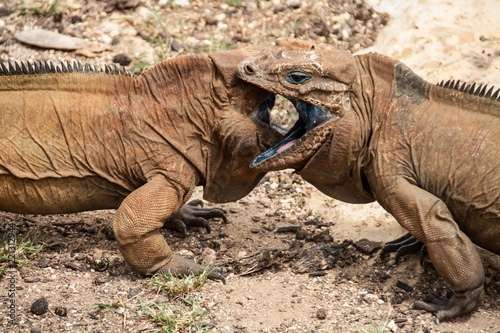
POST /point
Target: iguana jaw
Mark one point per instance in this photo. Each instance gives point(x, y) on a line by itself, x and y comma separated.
point(301, 141)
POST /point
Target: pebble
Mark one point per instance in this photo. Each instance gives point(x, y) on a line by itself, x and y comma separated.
point(40, 306)
point(50, 40)
point(369, 298)
point(322, 236)
point(132, 292)
point(366, 246)
point(31, 279)
point(293, 3)
point(321, 314)
point(122, 59)
point(176, 45)
point(180, 3)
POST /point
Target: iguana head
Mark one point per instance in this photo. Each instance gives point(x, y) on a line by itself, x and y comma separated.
point(325, 142)
point(244, 128)
point(317, 80)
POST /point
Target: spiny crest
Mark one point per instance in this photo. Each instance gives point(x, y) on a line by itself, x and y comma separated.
point(47, 67)
point(471, 89)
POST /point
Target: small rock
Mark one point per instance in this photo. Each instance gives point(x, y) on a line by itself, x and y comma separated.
point(255, 231)
point(144, 36)
point(61, 311)
point(392, 326)
point(210, 20)
point(301, 234)
point(40, 306)
point(369, 298)
point(292, 229)
point(321, 313)
point(404, 286)
point(44, 262)
point(293, 3)
point(322, 236)
point(31, 279)
point(75, 19)
point(132, 292)
point(180, 3)
point(176, 45)
point(256, 218)
point(74, 266)
point(122, 59)
point(366, 246)
point(270, 227)
point(36, 329)
point(208, 256)
point(50, 40)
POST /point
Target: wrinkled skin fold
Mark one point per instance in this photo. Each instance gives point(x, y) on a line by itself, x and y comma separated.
point(427, 153)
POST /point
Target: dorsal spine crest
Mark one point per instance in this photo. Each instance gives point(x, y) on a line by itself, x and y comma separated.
point(48, 67)
point(481, 91)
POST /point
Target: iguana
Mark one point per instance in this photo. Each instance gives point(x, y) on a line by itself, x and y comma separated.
point(74, 138)
point(370, 129)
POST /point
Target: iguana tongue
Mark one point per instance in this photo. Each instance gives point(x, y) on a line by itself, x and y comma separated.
point(286, 146)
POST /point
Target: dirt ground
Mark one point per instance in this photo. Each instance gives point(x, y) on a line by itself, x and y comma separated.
point(295, 260)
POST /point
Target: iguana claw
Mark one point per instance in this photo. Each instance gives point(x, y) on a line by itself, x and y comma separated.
point(403, 245)
point(460, 302)
point(180, 266)
point(190, 215)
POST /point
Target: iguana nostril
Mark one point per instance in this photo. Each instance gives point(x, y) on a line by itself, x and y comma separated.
point(249, 70)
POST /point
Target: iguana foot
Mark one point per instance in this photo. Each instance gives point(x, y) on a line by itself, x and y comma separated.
point(180, 266)
point(404, 245)
point(190, 215)
point(460, 302)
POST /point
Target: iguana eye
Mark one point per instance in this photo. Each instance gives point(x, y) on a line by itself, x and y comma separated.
point(298, 76)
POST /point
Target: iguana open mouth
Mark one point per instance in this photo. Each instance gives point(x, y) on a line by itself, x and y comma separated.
point(310, 117)
point(262, 113)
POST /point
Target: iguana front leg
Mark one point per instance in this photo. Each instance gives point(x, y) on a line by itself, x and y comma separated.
point(193, 215)
point(454, 256)
point(136, 226)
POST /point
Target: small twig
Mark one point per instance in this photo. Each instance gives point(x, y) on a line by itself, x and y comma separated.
point(246, 257)
point(27, 219)
point(252, 270)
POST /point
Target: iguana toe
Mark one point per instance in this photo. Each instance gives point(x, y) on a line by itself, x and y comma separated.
point(180, 266)
point(191, 215)
point(403, 245)
point(460, 302)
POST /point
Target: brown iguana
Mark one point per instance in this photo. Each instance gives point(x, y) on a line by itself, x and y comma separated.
point(371, 129)
point(73, 139)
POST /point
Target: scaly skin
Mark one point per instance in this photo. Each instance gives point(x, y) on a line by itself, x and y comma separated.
point(79, 141)
point(428, 154)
